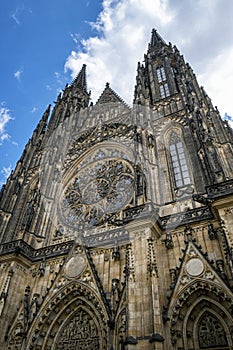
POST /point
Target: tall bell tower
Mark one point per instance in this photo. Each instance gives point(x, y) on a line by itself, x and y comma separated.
point(116, 224)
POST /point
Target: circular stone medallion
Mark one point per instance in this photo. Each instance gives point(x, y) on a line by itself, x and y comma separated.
point(194, 267)
point(75, 266)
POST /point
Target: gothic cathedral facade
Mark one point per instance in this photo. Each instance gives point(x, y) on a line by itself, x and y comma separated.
point(117, 222)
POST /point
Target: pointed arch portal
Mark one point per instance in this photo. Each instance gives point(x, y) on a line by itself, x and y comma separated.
point(201, 319)
point(73, 319)
point(207, 326)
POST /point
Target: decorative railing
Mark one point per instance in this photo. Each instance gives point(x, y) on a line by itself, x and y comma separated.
point(111, 235)
point(184, 218)
point(139, 211)
point(221, 188)
point(21, 247)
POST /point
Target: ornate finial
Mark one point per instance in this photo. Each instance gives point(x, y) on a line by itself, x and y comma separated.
point(169, 241)
point(212, 232)
point(188, 231)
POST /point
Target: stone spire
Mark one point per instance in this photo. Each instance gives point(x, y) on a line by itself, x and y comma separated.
point(73, 98)
point(168, 84)
point(40, 130)
point(80, 80)
point(43, 122)
point(156, 40)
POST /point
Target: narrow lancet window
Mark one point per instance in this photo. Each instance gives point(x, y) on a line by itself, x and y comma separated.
point(163, 85)
point(179, 163)
point(161, 75)
point(164, 90)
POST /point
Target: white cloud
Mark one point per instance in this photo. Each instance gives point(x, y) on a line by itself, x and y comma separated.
point(123, 33)
point(17, 74)
point(5, 117)
point(124, 27)
point(6, 170)
point(34, 109)
point(60, 81)
point(218, 81)
point(229, 119)
point(4, 137)
point(75, 37)
point(17, 14)
point(15, 18)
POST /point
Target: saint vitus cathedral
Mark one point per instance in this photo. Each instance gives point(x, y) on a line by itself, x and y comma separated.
point(117, 222)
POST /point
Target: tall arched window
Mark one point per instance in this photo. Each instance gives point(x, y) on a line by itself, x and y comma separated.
point(179, 163)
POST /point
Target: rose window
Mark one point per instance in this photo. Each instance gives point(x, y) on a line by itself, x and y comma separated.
point(99, 190)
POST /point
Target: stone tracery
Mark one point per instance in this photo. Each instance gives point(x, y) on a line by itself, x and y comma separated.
point(103, 184)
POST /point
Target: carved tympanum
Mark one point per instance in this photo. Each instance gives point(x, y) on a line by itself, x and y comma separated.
point(81, 333)
point(211, 333)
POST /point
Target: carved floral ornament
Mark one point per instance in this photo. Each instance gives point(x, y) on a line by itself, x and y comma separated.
point(102, 184)
point(228, 211)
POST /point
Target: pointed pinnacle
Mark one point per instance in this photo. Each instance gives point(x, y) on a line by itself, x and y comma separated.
point(46, 113)
point(80, 79)
point(156, 39)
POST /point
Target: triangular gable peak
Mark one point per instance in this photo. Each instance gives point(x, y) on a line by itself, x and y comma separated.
point(77, 267)
point(196, 278)
point(195, 266)
point(109, 96)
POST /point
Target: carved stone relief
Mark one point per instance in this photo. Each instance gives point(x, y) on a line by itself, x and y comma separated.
point(80, 332)
point(211, 333)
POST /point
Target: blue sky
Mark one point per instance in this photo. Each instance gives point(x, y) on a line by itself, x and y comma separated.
point(36, 38)
point(44, 44)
